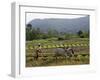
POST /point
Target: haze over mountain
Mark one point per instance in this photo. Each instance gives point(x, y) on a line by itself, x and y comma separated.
point(62, 24)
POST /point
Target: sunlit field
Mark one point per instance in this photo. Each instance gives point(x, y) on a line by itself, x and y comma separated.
point(47, 57)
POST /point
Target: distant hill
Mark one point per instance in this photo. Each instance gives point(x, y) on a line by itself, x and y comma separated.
point(62, 24)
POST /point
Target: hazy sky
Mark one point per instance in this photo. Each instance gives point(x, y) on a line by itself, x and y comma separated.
point(31, 16)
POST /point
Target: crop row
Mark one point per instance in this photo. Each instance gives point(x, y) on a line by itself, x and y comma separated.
point(57, 46)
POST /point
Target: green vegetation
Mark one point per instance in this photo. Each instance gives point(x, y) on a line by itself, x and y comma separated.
point(36, 33)
point(83, 34)
point(48, 46)
point(48, 59)
point(51, 40)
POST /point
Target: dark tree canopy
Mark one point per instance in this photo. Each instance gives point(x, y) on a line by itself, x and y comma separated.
point(79, 32)
point(29, 26)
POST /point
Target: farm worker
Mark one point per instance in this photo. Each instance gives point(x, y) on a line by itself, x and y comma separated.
point(38, 50)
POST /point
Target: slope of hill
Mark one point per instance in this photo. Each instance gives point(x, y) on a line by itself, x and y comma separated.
point(62, 24)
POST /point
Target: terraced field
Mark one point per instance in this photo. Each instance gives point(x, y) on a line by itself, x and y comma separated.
point(47, 58)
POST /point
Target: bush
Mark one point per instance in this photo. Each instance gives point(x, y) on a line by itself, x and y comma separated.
point(61, 38)
point(81, 36)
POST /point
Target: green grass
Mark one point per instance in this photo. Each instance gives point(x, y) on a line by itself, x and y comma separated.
point(51, 61)
point(53, 42)
point(48, 45)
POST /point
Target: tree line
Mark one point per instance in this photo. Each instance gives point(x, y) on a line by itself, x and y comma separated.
point(36, 33)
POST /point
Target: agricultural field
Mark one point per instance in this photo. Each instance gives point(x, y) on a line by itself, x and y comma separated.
point(47, 57)
point(57, 39)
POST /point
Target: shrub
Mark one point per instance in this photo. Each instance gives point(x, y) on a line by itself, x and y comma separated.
point(61, 38)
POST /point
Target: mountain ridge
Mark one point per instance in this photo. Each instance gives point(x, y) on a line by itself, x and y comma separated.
point(62, 24)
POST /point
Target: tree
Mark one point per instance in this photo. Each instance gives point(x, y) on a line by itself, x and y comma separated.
point(28, 34)
point(29, 26)
point(38, 33)
point(83, 34)
point(80, 34)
